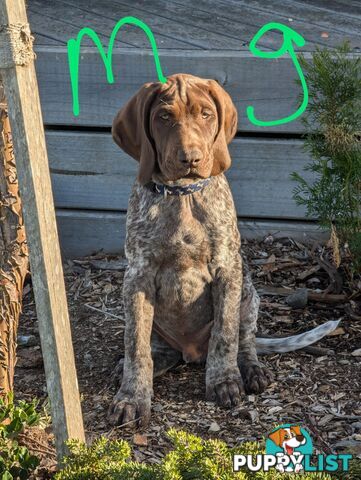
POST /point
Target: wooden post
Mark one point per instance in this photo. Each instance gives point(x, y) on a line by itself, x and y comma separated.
point(13, 253)
point(21, 90)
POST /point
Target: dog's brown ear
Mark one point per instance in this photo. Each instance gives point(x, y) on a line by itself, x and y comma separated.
point(131, 130)
point(276, 437)
point(227, 127)
point(296, 429)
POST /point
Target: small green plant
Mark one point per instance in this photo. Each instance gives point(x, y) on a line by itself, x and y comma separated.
point(104, 459)
point(15, 460)
point(192, 458)
point(333, 125)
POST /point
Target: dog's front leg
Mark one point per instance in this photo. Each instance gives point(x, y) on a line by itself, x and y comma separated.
point(255, 376)
point(133, 399)
point(223, 379)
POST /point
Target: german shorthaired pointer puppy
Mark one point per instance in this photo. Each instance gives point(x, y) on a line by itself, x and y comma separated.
point(186, 294)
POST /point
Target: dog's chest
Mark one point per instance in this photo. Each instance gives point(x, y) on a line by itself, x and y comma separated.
point(183, 255)
point(183, 240)
point(183, 308)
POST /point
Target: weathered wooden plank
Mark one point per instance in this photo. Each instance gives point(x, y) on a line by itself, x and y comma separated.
point(337, 25)
point(350, 8)
point(340, 14)
point(209, 24)
point(85, 232)
point(171, 31)
point(40, 39)
point(90, 172)
point(196, 25)
point(68, 20)
point(268, 85)
point(53, 28)
point(242, 19)
point(21, 91)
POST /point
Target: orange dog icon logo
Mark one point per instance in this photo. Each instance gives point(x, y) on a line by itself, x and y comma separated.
point(288, 439)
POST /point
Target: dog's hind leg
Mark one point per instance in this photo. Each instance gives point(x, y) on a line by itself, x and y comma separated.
point(255, 377)
point(164, 358)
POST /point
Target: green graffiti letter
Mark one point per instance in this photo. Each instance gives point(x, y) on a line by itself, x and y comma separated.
point(74, 54)
point(289, 36)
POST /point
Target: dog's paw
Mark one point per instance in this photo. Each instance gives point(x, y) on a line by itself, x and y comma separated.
point(256, 378)
point(226, 393)
point(126, 408)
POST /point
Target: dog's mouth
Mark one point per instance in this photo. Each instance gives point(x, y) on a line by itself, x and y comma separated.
point(193, 173)
point(289, 450)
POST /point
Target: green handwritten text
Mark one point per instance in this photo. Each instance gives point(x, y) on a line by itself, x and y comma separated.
point(289, 36)
point(74, 54)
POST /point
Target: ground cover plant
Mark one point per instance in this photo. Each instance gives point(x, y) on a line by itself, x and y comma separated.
point(191, 458)
point(16, 462)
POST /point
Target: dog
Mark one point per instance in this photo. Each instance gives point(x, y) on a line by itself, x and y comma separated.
point(289, 439)
point(187, 291)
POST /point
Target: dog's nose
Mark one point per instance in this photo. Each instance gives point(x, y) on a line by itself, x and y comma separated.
point(300, 438)
point(190, 156)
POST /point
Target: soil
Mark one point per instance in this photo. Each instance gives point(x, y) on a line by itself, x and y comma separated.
point(321, 390)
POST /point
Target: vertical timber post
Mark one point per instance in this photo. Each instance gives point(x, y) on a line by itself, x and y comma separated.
point(21, 90)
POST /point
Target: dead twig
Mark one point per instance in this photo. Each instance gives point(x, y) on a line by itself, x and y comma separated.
point(335, 277)
point(104, 312)
point(314, 296)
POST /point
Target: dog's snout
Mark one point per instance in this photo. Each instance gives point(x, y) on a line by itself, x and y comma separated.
point(300, 438)
point(190, 156)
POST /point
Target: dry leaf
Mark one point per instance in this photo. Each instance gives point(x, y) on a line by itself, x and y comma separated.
point(214, 427)
point(324, 420)
point(337, 331)
point(140, 440)
point(275, 409)
point(356, 353)
point(335, 244)
point(283, 318)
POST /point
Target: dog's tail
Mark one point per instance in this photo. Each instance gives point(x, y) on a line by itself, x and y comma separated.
point(289, 344)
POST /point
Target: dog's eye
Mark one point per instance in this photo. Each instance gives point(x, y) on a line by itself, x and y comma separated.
point(164, 116)
point(206, 114)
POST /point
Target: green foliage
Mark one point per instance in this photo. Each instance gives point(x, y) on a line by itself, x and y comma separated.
point(355, 469)
point(192, 458)
point(105, 459)
point(333, 125)
point(15, 460)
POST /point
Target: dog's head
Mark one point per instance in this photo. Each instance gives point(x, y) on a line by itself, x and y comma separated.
point(288, 438)
point(179, 129)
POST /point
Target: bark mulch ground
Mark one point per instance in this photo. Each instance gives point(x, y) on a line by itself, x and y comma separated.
point(319, 387)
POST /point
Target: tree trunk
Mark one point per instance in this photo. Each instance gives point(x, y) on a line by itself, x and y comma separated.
point(13, 253)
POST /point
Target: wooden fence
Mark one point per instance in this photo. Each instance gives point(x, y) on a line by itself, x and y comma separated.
point(92, 178)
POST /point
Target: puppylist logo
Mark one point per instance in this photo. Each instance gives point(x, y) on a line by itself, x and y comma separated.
point(289, 449)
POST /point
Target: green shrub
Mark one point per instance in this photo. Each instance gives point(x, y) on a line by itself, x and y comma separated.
point(104, 459)
point(192, 458)
point(15, 460)
point(333, 126)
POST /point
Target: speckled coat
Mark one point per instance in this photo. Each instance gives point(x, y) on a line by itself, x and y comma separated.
point(187, 292)
point(184, 280)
